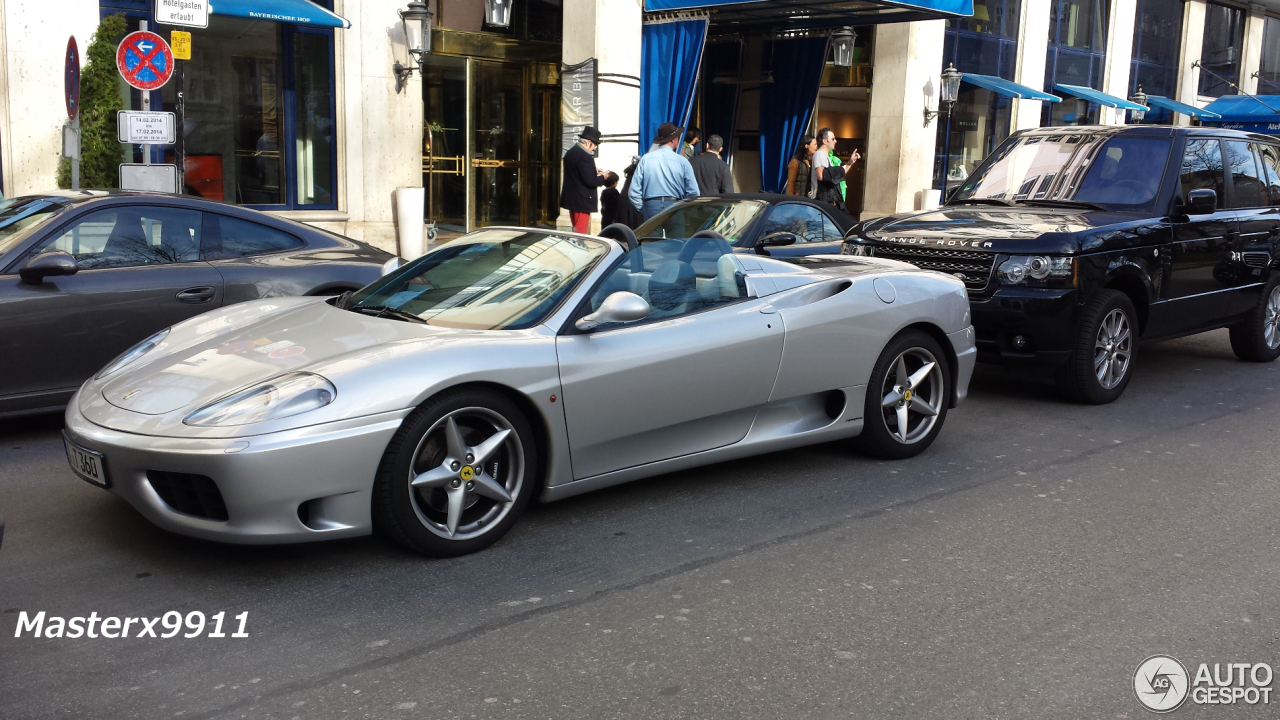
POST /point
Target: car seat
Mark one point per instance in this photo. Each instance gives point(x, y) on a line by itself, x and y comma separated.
point(673, 288)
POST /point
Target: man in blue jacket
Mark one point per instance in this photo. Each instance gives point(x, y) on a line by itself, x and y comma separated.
point(581, 178)
point(663, 177)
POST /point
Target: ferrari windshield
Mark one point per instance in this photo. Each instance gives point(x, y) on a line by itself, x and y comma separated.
point(488, 280)
point(730, 218)
point(19, 215)
point(1121, 173)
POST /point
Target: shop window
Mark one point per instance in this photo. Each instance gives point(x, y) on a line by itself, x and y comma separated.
point(259, 125)
point(1077, 38)
point(1157, 36)
point(1220, 53)
point(979, 122)
point(1269, 73)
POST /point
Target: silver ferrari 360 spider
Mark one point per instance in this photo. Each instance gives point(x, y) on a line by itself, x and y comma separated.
point(437, 402)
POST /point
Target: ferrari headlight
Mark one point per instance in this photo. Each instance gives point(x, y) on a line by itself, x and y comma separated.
point(282, 397)
point(1037, 270)
point(132, 354)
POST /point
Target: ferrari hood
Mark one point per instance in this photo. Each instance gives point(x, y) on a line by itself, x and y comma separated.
point(212, 355)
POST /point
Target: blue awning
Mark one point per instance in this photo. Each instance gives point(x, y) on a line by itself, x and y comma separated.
point(1007, 87)
point(939, 7)
point(1188, 110)
point(1099, 97)
point(296, 12)
point(1246, 109)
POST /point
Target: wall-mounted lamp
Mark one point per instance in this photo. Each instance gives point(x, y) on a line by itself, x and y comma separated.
point(1141, 99)
point(842, 46)
point(497, 13)
point(950, 91)
point(417, 39)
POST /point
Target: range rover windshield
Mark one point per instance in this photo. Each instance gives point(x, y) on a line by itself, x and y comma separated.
point(1071, 170)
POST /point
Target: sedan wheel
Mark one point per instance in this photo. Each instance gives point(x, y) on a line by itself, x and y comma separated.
point(907, 397)
point(1257, 337)
point(457, 475)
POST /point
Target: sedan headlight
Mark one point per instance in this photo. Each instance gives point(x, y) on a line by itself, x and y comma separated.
point(132, 354)
point(281, 397)
point(1038, 271)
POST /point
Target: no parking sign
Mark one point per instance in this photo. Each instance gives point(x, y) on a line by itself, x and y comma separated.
point(144, 60)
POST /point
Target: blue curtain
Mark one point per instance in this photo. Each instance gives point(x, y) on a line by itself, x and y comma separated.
point(786, 105)
point(670, 55)
point(720, 100)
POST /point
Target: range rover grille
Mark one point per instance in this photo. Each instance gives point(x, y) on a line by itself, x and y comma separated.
point(973, 267)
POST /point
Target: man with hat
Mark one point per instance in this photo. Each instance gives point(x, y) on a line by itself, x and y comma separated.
point(664, 177)
point(581, 178)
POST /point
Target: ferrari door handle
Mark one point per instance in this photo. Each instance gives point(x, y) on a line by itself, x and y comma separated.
point(196, 295)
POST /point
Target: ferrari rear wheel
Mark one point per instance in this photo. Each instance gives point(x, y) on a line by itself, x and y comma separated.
point(457, 475)
point(907, 397)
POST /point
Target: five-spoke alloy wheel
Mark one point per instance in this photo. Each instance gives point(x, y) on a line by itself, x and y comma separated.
point(907, 397)
point(457, 475)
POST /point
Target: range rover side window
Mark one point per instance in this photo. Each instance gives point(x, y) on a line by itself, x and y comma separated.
point(1246, 185)
point(1202, 168)
point(1271, 165)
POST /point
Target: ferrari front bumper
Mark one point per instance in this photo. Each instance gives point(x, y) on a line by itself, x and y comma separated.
point(301, 485)
point(964, 343)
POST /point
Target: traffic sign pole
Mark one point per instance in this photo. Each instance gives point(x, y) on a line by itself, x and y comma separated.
point(75, 159)
point(146, 106)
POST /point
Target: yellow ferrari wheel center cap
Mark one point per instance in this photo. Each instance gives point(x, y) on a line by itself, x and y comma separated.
point(467, 473)
point(906, 395)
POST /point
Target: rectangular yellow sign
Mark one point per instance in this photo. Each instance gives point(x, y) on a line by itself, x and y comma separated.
point(180, 41)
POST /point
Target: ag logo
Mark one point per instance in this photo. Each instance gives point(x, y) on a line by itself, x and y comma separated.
point(1161, 683)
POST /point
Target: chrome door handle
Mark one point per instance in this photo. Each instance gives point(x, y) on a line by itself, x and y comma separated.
point(196, 295)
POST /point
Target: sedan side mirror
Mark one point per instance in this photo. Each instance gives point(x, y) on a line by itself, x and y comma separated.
point(49, 264)
point(777, 239)
point(1202, 202)
point(619, 307)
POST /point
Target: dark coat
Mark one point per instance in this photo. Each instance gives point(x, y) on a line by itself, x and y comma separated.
point(578, 191)
point(712, 175)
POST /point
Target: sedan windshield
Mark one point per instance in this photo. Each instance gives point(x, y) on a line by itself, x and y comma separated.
point(1120, 173)
point(730, 218)
point(18, 216)
point(488, 280)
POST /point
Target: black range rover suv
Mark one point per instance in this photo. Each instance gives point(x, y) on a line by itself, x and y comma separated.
point(1076, 243)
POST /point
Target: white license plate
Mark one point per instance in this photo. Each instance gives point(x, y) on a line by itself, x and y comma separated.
point(89, 465)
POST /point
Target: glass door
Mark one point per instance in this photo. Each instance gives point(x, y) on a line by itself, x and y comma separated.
point(444, 139)
point(544, 155)
point(498, 137)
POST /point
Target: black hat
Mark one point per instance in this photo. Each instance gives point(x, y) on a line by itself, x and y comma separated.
point(667, 132)
point(590, 133)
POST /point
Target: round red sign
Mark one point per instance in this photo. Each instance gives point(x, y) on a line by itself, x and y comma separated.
point(71, 78)
point(145, 60)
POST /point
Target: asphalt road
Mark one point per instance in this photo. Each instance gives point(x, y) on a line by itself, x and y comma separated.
point(1022, 568)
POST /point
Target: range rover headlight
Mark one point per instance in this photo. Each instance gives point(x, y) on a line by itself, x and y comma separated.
point(853, 248)
point(1037, 270)
point(132, 354)
point(281, 397)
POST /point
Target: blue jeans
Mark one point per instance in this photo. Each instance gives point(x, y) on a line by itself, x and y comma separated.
point(653, 206)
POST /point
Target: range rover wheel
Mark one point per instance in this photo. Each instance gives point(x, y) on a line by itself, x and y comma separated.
point(907, 397)
point(1257, 337)
point(457, 475)
point(1101, 363)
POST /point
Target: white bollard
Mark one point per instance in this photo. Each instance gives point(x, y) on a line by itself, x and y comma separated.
point(410, 205)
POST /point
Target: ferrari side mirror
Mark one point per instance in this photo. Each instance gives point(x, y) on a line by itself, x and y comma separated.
point(619, 307)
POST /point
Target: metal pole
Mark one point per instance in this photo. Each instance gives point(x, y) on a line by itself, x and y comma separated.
point(179, 142)
point(146, 106)
point(75, 159)
point(946, 155)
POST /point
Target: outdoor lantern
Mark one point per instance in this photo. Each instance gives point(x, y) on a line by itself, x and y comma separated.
point(842, 46)
point(417, 39)
point(1141, 99)
point(950, 85)
point(497, 13)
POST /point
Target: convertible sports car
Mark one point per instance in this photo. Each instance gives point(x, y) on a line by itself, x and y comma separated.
point(435, 403)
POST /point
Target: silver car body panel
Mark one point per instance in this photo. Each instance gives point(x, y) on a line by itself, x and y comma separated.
point(614, 405)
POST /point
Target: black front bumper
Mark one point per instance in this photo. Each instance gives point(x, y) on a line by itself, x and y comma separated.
point(1046, 320)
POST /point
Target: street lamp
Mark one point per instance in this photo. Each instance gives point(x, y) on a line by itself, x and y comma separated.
point(950, 92)
point(842, 46)
point(417, 39)
point(1141, 99)
point(497, 13)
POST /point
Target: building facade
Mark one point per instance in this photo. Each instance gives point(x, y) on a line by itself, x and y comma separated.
point(293, 107)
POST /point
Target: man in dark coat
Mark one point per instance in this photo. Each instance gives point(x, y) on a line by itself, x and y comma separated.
point(581, 178)
point(710, 171)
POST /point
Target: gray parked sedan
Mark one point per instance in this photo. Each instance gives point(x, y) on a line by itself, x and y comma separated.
point(84, 275)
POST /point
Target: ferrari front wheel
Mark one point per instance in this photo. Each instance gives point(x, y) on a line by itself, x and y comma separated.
point(907, 397)
point(457, 475)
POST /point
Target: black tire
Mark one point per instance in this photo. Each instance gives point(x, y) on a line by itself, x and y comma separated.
point(418, 517)
point(1249, 338)
point(1078, 378)
point(880, 436)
